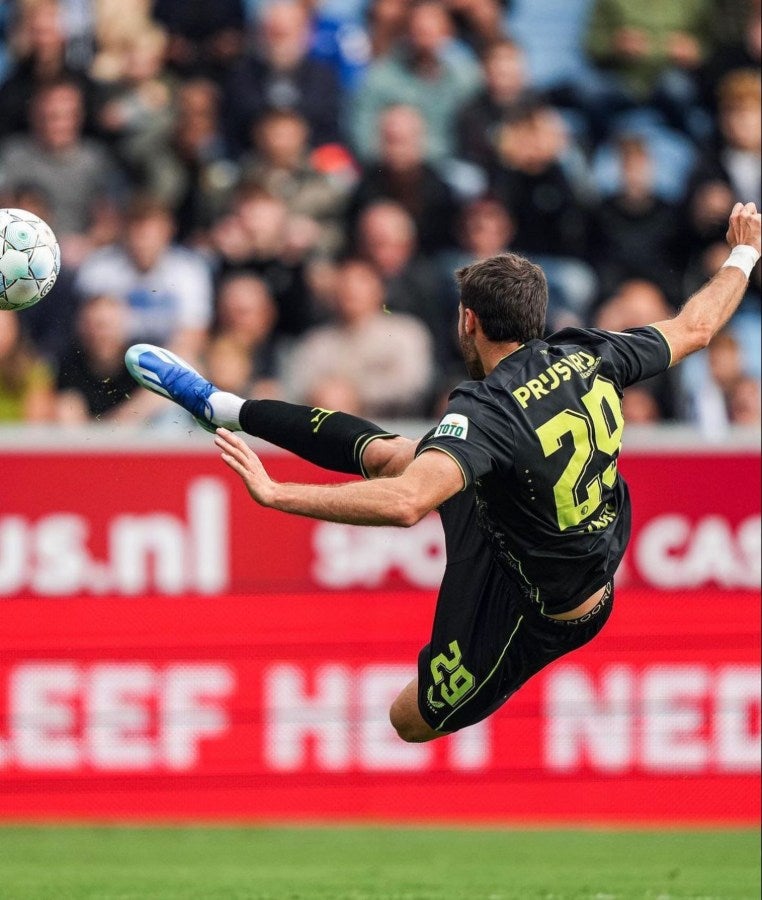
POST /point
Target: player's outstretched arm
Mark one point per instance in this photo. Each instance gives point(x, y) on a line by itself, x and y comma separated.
point(710, 308)
point(402, 500)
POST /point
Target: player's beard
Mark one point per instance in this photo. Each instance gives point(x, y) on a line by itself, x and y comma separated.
point(470, 356)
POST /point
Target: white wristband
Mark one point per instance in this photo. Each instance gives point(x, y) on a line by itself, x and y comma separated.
point(743, 257)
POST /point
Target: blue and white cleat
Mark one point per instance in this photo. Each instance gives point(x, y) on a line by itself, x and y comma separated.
point(162, 372)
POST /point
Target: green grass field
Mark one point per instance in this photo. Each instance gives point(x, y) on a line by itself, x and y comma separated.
point(63, 863)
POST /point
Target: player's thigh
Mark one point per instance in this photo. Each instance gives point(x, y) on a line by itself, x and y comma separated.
point(476, 621)
point(487, 641)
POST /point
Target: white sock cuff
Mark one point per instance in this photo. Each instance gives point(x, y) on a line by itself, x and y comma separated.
point(226, 409)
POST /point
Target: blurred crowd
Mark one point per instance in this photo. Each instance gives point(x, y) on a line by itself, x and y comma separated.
point(280, 190)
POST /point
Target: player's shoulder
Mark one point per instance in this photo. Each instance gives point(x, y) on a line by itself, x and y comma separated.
point(578, 337)
point(595, 337)
point(485, 402)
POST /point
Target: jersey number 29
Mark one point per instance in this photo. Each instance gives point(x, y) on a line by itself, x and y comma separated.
point(578, 492)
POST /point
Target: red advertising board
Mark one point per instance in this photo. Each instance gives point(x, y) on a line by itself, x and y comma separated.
point(172, 651)
point(275, 707)
point(177, 523)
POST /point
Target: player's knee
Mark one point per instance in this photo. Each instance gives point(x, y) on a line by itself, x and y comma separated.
point(408, 723)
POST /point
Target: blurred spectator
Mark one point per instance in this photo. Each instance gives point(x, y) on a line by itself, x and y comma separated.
point(401, 174)
point(650, 53)
point(479, 23)
point(743, 51)
point(731, 171)
point(548, 206)
point(340, 38)
point(387, 23)
point(245, 320)
point(637, 303)
point(136, 111)
point(199, 175)
point(636, 233)
point(279, 74)
point(386, 237)
point(204, 38)
point(167, 288)
point(282, 166)
point(419, 72)
point(505, 87)
point(39, 43)
point(256, 237)
point(673, 156)
point(484, 228)
point(115, 25)
point(75, 173)
point(3, 41)
point(744, 402)
point(229, 367)
point(716, 401)
point(92, 380)
point(639, 406)
point(26, 382)
point(383, 359)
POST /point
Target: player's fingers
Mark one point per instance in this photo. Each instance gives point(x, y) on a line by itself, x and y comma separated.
point(232, 439)
point(228, 439)
point(232, 451)
point(734, 212)
point(240, 469)
point(233, 463)
point(750, 208)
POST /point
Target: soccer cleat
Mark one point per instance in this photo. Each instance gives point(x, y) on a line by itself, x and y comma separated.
point(162, 372)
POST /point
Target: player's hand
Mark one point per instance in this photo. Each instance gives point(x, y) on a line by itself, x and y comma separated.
point(744, 226)
point(237, 454)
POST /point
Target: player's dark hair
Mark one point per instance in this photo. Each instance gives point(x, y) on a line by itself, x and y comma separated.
point(509, 294)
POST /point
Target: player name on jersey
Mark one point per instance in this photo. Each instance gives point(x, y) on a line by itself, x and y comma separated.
point(583, 363)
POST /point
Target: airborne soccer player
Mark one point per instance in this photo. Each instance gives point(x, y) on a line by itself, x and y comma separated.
point(522, 469)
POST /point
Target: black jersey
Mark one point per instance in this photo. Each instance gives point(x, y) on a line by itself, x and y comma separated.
point(538, 440)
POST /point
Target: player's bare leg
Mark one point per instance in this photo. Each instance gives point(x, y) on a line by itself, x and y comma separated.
point(407, 719)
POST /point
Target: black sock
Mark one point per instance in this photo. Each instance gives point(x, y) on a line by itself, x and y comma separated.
point(333, 440)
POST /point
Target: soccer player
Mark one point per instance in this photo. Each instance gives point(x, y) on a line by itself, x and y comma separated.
point(522, 468)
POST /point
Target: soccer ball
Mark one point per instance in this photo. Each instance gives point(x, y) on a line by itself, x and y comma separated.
point(29, 259)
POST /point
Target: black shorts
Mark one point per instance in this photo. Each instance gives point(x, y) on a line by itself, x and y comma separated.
point(488, 639)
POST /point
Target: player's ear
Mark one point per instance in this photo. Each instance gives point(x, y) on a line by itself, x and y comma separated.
point(469, 319)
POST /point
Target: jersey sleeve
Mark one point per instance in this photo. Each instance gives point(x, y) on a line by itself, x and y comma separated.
point(464, 439)
point(635, 354)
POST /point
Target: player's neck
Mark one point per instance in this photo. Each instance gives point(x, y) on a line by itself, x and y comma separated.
point(492, 354)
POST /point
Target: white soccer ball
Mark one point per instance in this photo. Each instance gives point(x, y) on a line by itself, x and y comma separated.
point(29, 259)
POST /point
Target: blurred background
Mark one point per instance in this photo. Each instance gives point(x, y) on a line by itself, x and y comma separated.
point(280, 192)
point(257, 183)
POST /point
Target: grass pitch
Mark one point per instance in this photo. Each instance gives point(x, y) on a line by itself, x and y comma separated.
point(108, 863)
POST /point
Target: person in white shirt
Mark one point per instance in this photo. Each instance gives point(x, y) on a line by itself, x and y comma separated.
point(168, 288)
point(383, 357)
